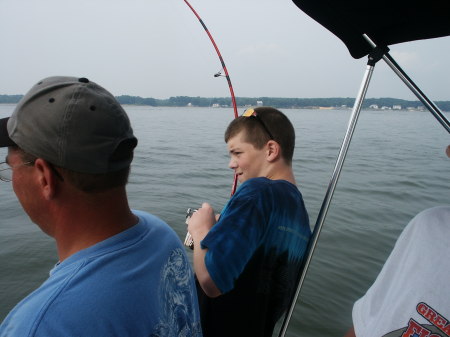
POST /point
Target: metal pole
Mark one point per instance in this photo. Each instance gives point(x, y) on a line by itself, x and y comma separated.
point(331, 187)
point(413, 87)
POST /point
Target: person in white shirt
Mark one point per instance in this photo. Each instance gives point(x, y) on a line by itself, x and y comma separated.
point(411, 295)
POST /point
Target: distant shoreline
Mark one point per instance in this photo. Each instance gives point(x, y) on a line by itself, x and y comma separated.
point(340, 103)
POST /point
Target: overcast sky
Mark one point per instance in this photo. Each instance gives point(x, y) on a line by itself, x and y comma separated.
point(157, 48)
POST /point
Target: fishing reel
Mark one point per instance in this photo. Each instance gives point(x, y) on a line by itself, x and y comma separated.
point(189, 241)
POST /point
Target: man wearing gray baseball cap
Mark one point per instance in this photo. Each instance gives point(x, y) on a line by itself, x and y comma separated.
point(121, 272)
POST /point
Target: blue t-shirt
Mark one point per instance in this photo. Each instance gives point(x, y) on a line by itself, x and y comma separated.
point(254, 255)
point(136, 283)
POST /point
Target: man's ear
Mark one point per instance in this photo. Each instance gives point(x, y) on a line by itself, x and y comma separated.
point(273, 151)
point(46, 178)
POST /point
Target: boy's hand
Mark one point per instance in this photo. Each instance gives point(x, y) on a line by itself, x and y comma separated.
point(198, 226)
point(201, 222)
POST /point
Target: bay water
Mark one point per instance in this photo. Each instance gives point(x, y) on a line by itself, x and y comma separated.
point(395, 168)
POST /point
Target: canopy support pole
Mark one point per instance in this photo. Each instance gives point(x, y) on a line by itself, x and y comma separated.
point(374, 57)
point(413, 87)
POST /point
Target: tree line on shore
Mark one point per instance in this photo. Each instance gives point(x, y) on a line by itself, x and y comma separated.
point(278, 102)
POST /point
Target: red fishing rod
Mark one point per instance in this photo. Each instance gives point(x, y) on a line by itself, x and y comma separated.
point(227, 76)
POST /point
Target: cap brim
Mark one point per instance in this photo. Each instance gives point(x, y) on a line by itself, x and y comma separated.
point(4, 136)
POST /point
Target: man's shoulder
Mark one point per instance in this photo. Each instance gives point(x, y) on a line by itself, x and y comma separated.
point(151, 222)
point(437, 213)
point(143, 215)
point(430, 223)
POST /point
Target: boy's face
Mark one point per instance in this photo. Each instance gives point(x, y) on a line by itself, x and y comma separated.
point(246, 161)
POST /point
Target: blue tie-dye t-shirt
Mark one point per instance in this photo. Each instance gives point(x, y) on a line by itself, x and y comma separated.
point(254, 254)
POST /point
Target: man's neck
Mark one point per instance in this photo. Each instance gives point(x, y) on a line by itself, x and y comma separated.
point(82, 223)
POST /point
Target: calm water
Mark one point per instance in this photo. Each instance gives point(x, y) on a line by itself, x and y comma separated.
point(395, 168)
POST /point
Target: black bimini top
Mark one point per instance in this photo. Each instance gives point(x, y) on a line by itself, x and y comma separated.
point(385, 22)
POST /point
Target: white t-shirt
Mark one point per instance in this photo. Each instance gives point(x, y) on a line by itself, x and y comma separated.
point(411, 295)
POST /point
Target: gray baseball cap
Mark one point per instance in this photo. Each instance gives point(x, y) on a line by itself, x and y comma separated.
point(72, 123)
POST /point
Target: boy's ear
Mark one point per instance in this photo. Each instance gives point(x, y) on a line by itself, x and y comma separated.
point(273, 151)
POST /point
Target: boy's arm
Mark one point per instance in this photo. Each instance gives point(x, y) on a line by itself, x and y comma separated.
point(199, 226)
point(203, 277)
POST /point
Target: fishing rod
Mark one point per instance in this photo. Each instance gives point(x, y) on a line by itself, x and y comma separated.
point(218, 74)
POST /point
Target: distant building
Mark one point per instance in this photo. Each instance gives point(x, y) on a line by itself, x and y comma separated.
point(189, 104)
point(215, 105)
point(259, 103)
point(397, 107)
point(374, 106)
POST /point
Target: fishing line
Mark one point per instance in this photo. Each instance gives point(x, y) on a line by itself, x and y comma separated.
point(218, 74)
